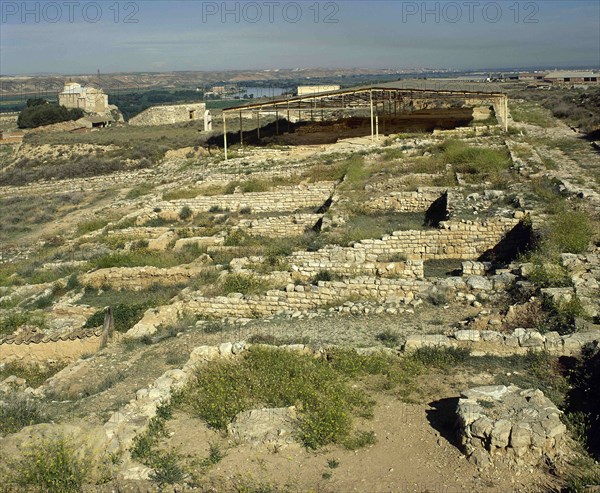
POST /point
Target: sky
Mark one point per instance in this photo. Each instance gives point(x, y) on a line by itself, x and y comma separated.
point(73, 37)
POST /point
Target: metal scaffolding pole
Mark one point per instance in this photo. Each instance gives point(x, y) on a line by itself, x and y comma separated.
point(372, 122)
point(225, 135)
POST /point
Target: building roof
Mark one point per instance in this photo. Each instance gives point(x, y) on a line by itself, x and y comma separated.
point(449, 87)
point(561, 74)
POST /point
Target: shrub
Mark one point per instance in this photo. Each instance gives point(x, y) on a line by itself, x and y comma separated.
point(166, 469)
point(255, 185)
point(569, 232)
point(325, 276)
point(267, 376)
point(125, 316)
point(548, 274)
point(90, 226)
point(244, 283)
point(183, 193)
point(52, 464)
point(11, 322)
point(19, 411)
point(474, 160)
point(46, 114)
point(185, 213)
point(388, 338)
point(235, 238)
point(34, 374)
point(359, 440)
point(72, 282)
point(442, 358)
point(139, 191)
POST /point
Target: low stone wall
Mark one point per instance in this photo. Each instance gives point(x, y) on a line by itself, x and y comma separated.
point(493, 343)
point(200, 241)
point(58, 350)
point(138, 278)
point(510, 424)
point(279, 226)
point(453, 240)
point(418, 201)
point(351, 262)
point(282, 199)
point(292, 299)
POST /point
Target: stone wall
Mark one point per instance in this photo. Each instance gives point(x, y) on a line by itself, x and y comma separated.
point(138, 278)
point(292, 299)
point(279, 226)
point(60, 350)
point(164, 115)
point(283, 199)
point(353, 261)
point(454, 240)
point(493, 343)
point(509, 424)
point(417, 201)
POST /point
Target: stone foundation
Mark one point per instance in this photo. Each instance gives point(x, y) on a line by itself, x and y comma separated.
point(508, 423)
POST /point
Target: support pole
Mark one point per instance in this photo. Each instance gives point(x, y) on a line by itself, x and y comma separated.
point(225, 135)
point(241, 131)
point(377, 127)
point(372, 121)
point(506, 113)
point(288, 115)
point(258, 124)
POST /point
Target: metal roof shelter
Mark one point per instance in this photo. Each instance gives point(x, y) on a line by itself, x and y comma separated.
point(387, 95)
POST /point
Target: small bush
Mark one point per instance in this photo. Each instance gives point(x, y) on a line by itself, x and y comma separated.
point(90, 226)
point(139, 191)
point(19, 411)
point(72, 282)
point(244, 283)
point(548, 274)
point(325, 276)
point(474, 160)
point(359, 440)
point(266, 376)
point(569, 232)
point(167, 469)
point(125, 316)
point(34, 374)
point(443, 358)
point(388, 338)
point(52, 465)
point(215, 455)
point(11, 322)
point(185, 213)
point(235, 238)
point(183, 193)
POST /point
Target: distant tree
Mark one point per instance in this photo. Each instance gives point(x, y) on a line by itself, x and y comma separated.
point(36, 115)
point(36, 102)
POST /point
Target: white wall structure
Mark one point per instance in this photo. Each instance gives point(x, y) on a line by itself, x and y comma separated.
point(88, 99)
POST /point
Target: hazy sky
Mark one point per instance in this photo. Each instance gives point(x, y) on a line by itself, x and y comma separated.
point(114, 36)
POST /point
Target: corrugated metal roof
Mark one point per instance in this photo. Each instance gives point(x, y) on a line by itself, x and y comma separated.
point(405, 84)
